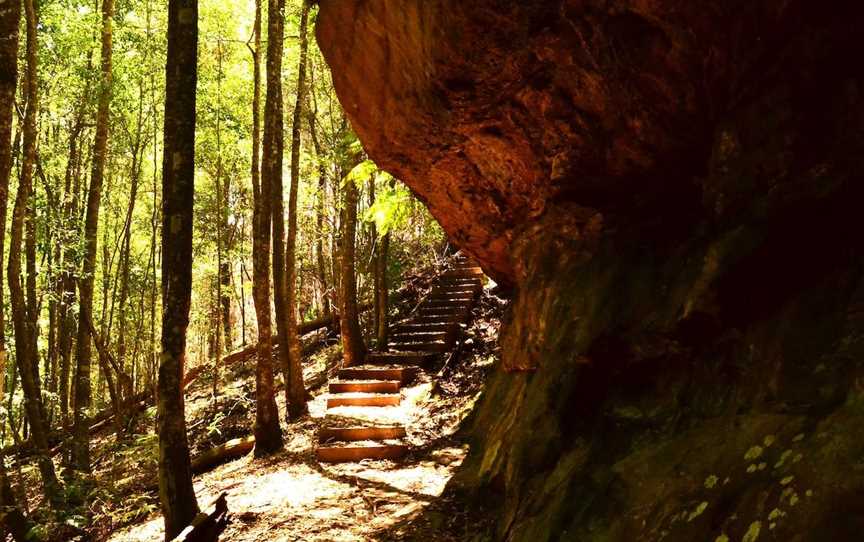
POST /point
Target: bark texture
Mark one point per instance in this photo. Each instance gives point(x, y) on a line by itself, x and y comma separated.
point(673, 189)
point(81, 440)
point(271, 173)
point(353, 347)
point(10, 16)
point(176, 494)
point(268, 433)
point(295, 389)
point(26, 354)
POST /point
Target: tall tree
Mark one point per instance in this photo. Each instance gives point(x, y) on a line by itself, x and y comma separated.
point(13, 520)
point(271, 172)
point(353, 347)
point(80, 440)
point(25, 353)
point(296, 391)
point(379, 275)
point(268, 433)
point(176, 494)
point(10, 15)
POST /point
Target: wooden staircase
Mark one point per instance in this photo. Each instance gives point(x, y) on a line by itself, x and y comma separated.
point(376, 429)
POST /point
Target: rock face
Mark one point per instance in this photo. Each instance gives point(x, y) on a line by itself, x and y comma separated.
point(674, 189)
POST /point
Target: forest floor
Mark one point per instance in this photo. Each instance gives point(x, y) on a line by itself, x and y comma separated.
point(290, 495)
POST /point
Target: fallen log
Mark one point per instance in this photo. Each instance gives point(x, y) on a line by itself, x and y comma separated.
point(207, 526)
point(232, 449)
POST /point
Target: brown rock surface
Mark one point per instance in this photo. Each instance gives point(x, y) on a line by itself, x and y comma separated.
point(674, 187)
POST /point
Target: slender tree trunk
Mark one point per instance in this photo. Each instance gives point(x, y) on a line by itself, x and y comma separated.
point(80, 441)
point(220, 230)
point(321, 266)
point(25, 355)
point(124, 381)
point(381, 256)
point(13, 520)
point(10, 15)
point(353, 348)
point(271, 172)
point(268, 433)
point(69, 234)
point(373, 262)
point(176, 494)
point(379, 277)
point(296, 390)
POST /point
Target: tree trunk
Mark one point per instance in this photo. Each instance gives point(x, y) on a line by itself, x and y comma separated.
point(381, 290)
point(295, 389)
point(220, 230)
point(176, 494)
point(374, 264)
point(268, 433)
point(124, 381)
point(9, 22)
point(13, 520)
point(68, 239)
point(353, 348)
point(25, 355)
point(321, 265)
point(271, 172)
point(80, 442)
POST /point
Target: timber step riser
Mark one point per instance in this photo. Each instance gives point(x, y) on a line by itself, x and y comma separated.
point(365, 387)
point(402, 375)
point(397, 359)
point(373, 401)
point(420, 336)
point(424, 347)
point(357, 453)
point(352, 434)
point(424, 337)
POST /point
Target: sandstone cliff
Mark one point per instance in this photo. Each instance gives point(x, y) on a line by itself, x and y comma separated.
point(674, 188)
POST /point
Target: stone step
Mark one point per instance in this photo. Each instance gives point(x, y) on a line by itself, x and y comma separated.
point(344, 454)
point(422, 346)
point(348, 434)
point(402, 374)
point(366, 386)
point(366, 400)
point(399, 358)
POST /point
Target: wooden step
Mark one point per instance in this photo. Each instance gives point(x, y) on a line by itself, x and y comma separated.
point(436, 319)
point(368, 386)
point(468, 272)
point(455, 295)
point(446, 304)
point(416, 336)
point(349, 434)
point(345, 399)
point(402, 374)
point(460, 291)
point(446, 279)
point(344, 454)
point(422, 346)
point(409, 328)
point(444, 310)
point(399, 358)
